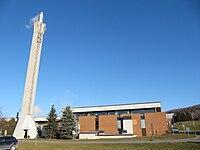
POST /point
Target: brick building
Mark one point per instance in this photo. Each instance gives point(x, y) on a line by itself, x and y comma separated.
point(138, 119)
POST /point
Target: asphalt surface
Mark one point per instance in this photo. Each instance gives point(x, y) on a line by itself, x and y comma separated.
point(196, 140)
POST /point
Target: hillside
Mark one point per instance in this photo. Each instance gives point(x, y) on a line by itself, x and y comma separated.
point(194, 111)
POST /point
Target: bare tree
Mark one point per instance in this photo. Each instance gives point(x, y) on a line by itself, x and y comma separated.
point(1, 114)
point(196, 114)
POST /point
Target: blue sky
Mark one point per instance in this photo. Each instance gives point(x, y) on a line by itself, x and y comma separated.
point(102, 52)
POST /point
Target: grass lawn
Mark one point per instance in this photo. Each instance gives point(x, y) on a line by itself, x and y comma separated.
point(189, 124)
point(166, 137)
point(160, 137)
point(159, 146)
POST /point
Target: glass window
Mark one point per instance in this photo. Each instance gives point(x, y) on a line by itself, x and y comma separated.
point(122, 112)
point(103, 113)
point(142, 116)
point(149, 110)
point(143, 125)
point(111, 113)
point(1, 139)
point(134, 112)
point(80, 114)
point(97, 123)
point(91, 114)
point(8, 139)
point(119, 124)
point(142, 111)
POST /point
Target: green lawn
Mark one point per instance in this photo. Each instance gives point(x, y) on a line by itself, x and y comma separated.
point(160, 146)
point(195, 126)
point(160, 137)
point(55, 144)
point(166, 137)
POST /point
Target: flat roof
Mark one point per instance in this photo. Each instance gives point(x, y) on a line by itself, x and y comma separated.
point(171, 115)
point(116, 107)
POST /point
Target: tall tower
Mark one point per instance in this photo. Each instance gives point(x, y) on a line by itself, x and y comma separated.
point(26, 126)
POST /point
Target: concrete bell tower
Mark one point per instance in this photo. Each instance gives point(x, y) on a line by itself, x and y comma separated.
point(26, 125)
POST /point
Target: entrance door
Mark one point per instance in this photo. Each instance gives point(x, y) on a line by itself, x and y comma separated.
point(25, 134)
point(143, 131)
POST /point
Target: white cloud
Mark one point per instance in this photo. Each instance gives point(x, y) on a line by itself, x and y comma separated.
point(37, 110)
point(31, 21)
point(27, 26)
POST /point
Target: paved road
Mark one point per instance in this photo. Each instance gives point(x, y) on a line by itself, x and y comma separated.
point(196, 140)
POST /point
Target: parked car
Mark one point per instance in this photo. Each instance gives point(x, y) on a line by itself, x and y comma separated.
point(175, 130)
point(8, 142)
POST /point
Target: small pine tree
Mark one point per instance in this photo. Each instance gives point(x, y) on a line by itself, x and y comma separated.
point(51, 129)
point(67, 124)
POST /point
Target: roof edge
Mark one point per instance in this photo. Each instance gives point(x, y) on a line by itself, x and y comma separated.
point(117, 105)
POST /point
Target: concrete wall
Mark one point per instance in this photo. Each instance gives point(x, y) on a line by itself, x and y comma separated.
point(108, 123)
point(87, 136)
point(87, 123)
point(157, 121)
point(94, 136)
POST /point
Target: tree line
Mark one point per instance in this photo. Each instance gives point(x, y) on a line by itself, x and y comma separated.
point(8, 125)
point(186, 114)
point(182, 117)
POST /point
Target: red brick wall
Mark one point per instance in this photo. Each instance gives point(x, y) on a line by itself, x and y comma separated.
point(87, 123)
point(159, 121)
point(108, 123)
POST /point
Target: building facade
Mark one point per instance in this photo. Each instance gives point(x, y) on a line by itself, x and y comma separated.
point(139, 119)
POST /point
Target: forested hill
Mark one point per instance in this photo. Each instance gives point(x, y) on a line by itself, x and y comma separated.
point(192, 111)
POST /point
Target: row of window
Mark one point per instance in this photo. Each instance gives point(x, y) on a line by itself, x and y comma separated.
point(118, 112)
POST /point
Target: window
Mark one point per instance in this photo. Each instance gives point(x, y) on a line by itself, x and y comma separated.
point(103, 113)
point(143, 125)
point(8, 138)
point(97, 123)
point(111, 113)
point(158, 109)
point(91, 114)
point(142, 111)
point(122, 112)
point(80, 114)
point(142, 116)
point(1, 139)
point(119, 124)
